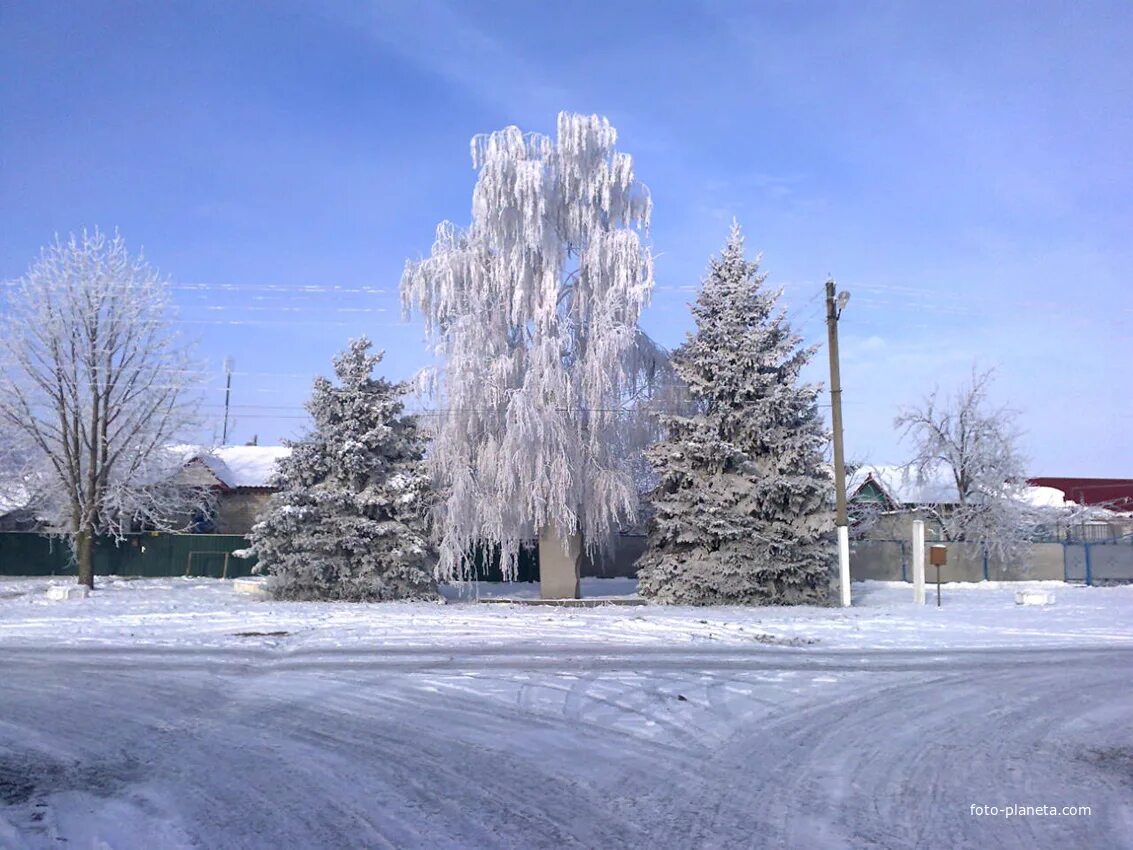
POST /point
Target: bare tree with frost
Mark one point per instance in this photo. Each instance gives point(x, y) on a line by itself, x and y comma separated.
point(97, 385)
point(742, 511)
point(975, 444)
point(534, 309)
point(348, 522)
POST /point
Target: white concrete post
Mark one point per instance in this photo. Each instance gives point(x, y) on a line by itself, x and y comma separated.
point(918, 561)
point(844, 563)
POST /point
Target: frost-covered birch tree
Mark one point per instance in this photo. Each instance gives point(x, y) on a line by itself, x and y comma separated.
point(348, 522)
point(976, 444)
point(742, 513)
point(534, 308)
point(97, 385)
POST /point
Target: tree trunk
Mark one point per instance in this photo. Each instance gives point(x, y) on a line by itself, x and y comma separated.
point(559, 564)
point(84, 554)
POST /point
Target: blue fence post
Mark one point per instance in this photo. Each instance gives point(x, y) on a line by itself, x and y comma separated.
point(985, 564)
point(904, 570)
point(1089, 575)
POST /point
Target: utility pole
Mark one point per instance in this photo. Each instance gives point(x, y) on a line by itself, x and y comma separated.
point(834, 307)
point(227, 396)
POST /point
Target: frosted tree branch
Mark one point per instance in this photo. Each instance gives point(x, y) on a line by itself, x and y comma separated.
point(977, 445)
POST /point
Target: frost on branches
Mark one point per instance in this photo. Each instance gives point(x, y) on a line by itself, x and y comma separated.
point(96, 386)
point(348, 520)
point(534, 310)
point(742, 514)
point(977, 446)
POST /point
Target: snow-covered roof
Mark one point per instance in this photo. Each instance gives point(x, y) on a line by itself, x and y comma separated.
point(241, 466)
point(14, 496)
point(902, 487)
point(1045, 497)
point(232, 466)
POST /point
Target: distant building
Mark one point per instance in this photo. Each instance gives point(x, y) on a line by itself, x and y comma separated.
point(895, 487)
point(1116, 494)
point(241, 478)
point(884, 499)
point(16, 513)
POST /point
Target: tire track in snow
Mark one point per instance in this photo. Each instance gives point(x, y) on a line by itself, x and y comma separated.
point(828, 749)
point(898, 765)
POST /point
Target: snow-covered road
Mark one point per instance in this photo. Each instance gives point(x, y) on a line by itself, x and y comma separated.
point(166, 714)
point(706, 747)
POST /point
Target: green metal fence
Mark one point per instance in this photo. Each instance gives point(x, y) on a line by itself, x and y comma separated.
point(153, 555)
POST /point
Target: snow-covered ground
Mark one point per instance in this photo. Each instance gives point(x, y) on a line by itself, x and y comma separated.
point(176, 713)
point(197, 613)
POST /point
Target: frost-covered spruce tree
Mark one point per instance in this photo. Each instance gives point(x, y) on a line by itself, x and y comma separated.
point(742, 513)
point(349, 520)
point(534, 309)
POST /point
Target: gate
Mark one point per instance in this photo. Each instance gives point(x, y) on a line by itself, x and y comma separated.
point(1100, 562)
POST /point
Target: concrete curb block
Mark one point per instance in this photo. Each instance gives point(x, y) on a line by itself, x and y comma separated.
point(61, 592)
point(1034, 597)
point(251, 586)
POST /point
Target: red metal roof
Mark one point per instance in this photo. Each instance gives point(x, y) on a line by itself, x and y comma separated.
point(1113, 493)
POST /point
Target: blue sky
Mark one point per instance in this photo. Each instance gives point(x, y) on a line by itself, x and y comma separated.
point(963, 169)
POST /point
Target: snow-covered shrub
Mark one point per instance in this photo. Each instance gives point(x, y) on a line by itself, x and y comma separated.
point(348, 522)
point(742, 513)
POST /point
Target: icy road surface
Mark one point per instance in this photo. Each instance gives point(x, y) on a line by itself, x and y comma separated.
point(265, 741)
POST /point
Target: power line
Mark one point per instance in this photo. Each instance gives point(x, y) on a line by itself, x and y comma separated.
point(258, 308)
point(288, 324)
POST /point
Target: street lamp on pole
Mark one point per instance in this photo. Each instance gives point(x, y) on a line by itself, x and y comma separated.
point(834, 308)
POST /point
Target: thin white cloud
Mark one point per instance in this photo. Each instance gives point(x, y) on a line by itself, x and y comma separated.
point(444, 39)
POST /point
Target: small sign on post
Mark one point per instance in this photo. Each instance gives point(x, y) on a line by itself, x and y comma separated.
point(938, 557)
